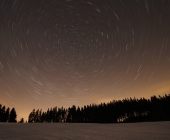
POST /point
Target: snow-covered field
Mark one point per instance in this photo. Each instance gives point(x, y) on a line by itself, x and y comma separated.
point(64, 131)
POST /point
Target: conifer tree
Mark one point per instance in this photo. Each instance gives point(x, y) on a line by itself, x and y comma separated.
point(13, 115)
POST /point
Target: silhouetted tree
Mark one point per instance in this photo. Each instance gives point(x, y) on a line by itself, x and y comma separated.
point(126, 110)
point(7, 113)
point(3, 114)
point(32, 116)
point(22, 120)
point(13, 115)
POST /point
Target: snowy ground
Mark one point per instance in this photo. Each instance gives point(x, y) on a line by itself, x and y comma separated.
point(64, 131)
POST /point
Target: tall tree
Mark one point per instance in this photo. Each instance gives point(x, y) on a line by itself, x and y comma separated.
point(31, 117)
point(13, 115)
point(3, 119)
point(7, 113)
point(0, 112)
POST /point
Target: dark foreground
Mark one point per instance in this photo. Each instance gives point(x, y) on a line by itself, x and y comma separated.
point(64, 131)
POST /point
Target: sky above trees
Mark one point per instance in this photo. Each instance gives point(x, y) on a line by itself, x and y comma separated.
point(60, 53)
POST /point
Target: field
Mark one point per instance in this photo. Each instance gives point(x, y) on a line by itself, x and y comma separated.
point(64, 131)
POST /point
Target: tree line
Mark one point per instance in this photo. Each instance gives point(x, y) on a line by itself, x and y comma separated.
point(126, 110)
point(7, 115)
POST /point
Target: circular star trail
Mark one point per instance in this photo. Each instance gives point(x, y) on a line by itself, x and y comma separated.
point(60, 53)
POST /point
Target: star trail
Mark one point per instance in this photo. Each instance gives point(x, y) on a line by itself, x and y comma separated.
point(65, 52)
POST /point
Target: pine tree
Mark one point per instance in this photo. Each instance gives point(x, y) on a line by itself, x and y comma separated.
point(22, 120)
point(7, 113)
point(13, 115)
point(0, 112)
point(3, 114)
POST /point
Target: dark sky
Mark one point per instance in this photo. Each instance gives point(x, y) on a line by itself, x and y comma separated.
point(65, 52)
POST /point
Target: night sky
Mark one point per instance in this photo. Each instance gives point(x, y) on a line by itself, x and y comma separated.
point(65, 52)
